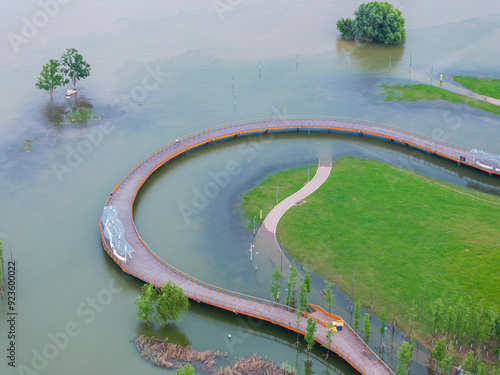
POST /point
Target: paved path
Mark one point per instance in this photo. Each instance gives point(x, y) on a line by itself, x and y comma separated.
point(266, 241)
point(271, 221)
point(118, 232)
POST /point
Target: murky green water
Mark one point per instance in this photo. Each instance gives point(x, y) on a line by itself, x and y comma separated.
point(160, 71)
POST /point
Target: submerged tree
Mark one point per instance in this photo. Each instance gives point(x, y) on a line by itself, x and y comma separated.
point(357, 314)
point(328, 297)
point(383, 323)
point(169, 304)
point(367, 327)
point(310, 331)
point(74, 67)
point(145, 303)
point(303, 299)
point(404, 358)
point(276, 284)
point(292, 282)
point(330, 334)
point(377, 21)
point(50, 77)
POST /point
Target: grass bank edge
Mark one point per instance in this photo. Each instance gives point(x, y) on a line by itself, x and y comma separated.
point(362, 291)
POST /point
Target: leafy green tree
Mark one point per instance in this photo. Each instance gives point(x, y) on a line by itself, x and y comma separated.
point(346, 28)
point(412, 315)
point(379, 22)
point(371, 278)
point(367, 327)
point(74, 67)
point(439, 351)
point(436, 312)
point(330, 334)
point(171, 303)
point(310, 331)
point(185, 370)
point(146, 301)
point(357, 314)
point(50, 77)
point(307, 281)
point(451, 315)
point(448, 359)
point(468, 364)
point(292, 283)
point(328, 297)
point(404, 358)
point(303, 299)
point(276, 284)
point(298, 315)
point(383, 323)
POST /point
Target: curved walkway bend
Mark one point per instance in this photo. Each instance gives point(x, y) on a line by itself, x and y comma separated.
point(149, 267)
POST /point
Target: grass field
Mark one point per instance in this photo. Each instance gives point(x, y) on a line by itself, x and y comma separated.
point(408, 231)
point(484, 86)
point(426, 92)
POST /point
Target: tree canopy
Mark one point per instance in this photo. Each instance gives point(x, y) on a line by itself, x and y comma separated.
point(376, 21)
point(169, 304)
point(74, 67)
point(50, 77)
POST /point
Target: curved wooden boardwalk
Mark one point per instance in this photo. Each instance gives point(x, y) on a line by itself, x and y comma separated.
point(144, 264)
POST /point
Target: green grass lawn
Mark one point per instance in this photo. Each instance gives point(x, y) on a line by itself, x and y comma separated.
point(426, 92)
point(263, 197)
point(408, 231)
point(484, 86)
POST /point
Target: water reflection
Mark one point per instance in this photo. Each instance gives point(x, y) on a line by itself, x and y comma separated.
point(55, 112)
point(370, 57)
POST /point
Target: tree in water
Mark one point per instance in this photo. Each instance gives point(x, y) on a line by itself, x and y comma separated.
point(404, 358)
point(276, 284)
point(310, 331)
point(74, 67)
point(298, 315)
point(169, 304)
point(357, 314)
point(377, 21)
point(330, 334)
point(292, 282)
point(328, 297)
point(303, 299)
point(185, 370)
point(367, 328)
point(50, 78)
point(145, 303)
point(383, 323)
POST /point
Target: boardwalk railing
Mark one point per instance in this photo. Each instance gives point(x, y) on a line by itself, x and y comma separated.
point(262, 308)
point(434, 145)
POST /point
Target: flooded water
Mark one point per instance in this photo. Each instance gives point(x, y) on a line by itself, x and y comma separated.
point(161, 71)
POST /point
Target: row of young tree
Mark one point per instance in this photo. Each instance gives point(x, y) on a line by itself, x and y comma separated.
point(455, 325)
point(69, 68)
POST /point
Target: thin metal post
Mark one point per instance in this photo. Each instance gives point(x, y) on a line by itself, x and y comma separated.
point(256, 253)
point(254, 225)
